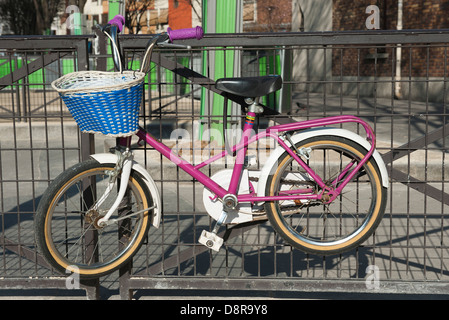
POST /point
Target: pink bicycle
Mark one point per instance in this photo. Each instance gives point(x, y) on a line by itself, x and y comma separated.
point(323, 189)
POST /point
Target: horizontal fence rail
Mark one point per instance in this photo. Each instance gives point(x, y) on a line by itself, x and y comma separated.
point(397, 81)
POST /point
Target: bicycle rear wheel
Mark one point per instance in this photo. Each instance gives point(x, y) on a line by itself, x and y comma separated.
point(66, 223)
point(314, 226)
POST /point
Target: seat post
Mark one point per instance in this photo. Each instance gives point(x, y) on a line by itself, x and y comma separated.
point(240, 158)
point(254, 106)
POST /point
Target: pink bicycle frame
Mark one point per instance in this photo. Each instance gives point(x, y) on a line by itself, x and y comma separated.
point(241, 149)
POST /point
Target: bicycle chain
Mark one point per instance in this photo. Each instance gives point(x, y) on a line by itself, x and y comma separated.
point(290, 209)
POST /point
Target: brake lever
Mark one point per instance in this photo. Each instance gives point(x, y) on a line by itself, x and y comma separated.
point(163, 41)
point(173, 45)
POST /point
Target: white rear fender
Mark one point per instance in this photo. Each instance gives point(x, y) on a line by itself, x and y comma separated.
point(274, 156)
point(151, 185)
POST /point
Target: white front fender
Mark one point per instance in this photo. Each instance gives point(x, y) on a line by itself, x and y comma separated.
point(151, 185)
point(274, 156)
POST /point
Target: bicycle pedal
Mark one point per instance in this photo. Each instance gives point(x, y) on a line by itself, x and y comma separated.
point(211, 240)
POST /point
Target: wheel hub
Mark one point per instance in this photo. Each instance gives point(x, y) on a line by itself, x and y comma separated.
point(92, 217)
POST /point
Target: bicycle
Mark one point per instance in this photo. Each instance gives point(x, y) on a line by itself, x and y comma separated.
point(323, 189)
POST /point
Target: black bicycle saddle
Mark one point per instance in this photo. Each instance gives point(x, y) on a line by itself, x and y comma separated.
point(250, 87)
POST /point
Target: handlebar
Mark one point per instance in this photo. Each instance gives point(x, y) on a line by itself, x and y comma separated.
point(118, 21)
point(182, 34)
point(115, 26)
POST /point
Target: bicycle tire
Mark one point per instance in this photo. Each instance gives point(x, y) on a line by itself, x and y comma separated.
point(319, 228)
point(66, 228)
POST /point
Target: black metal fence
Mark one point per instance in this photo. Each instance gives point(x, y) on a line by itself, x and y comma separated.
point(324, 74)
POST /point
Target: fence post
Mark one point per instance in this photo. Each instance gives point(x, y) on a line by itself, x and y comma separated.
point(92, 287)
point(87, 140)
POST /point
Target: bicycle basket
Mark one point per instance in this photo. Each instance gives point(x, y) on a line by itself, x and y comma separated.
point(103, 102)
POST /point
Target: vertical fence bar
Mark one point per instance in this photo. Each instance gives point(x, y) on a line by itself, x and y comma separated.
point(87, 148)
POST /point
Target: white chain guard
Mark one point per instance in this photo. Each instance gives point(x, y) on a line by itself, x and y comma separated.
point(214, 206)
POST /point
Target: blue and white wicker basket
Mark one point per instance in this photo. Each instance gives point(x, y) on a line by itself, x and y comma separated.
point(103, 102)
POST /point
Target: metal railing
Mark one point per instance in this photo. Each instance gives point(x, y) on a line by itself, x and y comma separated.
point(324, 74)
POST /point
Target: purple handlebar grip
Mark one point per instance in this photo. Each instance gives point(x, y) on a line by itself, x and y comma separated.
point(119, 21)
point(190, 33)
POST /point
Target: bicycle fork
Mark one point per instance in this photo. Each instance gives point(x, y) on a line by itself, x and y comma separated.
point(121, 170)
point(123, 166)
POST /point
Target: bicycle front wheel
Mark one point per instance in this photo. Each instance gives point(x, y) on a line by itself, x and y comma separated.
point(326, 228)
point(66, 225)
